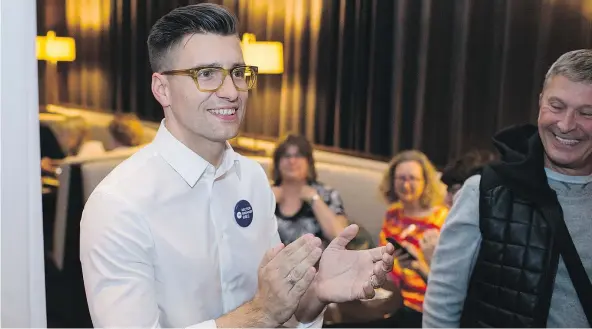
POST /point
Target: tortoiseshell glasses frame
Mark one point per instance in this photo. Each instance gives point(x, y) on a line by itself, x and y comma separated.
point(211, 78)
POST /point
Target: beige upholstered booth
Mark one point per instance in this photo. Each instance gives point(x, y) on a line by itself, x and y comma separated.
point(356, 179)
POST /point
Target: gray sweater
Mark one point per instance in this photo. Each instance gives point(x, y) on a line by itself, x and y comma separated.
point(460, 241)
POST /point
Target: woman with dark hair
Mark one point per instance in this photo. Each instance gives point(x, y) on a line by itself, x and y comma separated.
point(303, 204)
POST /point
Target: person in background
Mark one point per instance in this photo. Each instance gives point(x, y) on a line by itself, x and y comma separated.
point(69, 140)
point(75, 138)
point(413, 191)
point(51, 150)
point(127, 131)
point(304, 205)
point(457, 172)
point(516, 248)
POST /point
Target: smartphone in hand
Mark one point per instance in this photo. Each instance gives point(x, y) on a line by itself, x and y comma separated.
point(397, 245)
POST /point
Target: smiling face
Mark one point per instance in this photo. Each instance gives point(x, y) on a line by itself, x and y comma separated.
point(293, 165)
point(409, 181)
point(192, 114)
point(565, 126)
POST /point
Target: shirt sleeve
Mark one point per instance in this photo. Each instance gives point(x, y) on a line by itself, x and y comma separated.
point(316, 323)
point(454, 260)
point(116, 257)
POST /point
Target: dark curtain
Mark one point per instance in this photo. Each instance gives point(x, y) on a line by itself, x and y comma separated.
point(366, 76)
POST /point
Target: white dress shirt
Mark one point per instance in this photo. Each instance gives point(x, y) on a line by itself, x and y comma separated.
point(168, 240)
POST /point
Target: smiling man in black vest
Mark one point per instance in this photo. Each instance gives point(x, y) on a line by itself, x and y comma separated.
point(516, 250)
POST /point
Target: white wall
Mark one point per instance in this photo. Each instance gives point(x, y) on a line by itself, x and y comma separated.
point(22, 269)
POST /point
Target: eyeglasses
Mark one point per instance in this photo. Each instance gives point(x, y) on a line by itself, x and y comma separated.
point(294, 155)
point(410, 179)
point(211, 78)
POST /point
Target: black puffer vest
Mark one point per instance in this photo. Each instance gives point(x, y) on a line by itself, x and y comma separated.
point(512, 282)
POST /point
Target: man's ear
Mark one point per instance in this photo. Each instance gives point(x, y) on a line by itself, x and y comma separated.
point(540, 99)
point(160, 89)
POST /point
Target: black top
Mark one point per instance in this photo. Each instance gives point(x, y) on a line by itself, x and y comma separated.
point(303, 221)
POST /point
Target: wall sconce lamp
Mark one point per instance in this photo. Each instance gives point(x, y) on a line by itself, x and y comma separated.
point(55, 49)
point(267, 55)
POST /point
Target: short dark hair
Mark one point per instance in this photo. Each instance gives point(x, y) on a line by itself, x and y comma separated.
point(469, 164)
point(304, 147)
point(168, 31)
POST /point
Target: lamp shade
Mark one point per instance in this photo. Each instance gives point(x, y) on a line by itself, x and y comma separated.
point(55, 49)
point(267, 55)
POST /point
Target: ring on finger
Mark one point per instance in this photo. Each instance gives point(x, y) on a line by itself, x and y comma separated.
point(291, 279)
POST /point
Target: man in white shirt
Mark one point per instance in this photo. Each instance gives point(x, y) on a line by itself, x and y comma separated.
point(183, 233)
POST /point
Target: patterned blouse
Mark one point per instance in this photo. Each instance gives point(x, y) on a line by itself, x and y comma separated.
point(304, 221)
point(413, 287)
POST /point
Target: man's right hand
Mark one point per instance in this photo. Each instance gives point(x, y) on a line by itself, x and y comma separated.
point(285, 274)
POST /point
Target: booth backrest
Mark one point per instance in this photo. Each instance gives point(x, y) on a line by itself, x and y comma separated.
point(358, 188)
point(356, 180)
point(97, 122)
point(79, 177)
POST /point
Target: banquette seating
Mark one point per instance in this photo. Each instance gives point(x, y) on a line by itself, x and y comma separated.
point(356, 179)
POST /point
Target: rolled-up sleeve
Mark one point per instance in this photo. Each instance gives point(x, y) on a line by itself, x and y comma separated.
point(117, 265)
point(454, 260)
point(115, 245)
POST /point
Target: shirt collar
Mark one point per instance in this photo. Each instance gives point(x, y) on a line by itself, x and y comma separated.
point(187, 163)
point(578, 180)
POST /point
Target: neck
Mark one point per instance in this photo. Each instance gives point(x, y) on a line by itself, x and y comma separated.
point(412, 207)
point(211, 151)
point(292, 185)
point(585, 171)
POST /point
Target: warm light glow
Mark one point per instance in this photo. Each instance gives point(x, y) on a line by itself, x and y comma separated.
point(267, 55)
point(89, 15)
point(55, 49)
point(587, 9)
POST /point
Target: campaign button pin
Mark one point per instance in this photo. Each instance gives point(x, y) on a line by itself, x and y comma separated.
point(243, 213)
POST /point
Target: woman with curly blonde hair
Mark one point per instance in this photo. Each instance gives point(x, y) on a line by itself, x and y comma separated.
point(415, 194)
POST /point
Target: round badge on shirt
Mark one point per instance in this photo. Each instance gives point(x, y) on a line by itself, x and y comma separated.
point(243, 213)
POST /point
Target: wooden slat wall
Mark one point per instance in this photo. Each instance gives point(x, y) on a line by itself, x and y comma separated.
point(374, 76)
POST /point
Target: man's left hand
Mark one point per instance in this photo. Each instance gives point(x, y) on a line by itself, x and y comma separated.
point(346, 275)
